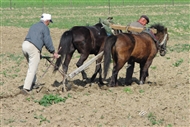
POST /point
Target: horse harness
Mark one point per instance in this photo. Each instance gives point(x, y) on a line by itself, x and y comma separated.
point(149, 32)
point(157, 42)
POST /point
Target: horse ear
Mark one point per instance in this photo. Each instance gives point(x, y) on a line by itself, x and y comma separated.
point(100, 20)
point(165, 29)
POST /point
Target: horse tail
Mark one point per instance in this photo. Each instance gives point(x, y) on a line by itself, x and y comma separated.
point(64, 47)
point(110, 42)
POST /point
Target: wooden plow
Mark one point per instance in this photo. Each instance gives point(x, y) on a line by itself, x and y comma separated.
point(75, 72)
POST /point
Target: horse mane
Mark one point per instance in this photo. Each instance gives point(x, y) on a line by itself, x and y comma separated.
point(98, 25)
point(158, 26)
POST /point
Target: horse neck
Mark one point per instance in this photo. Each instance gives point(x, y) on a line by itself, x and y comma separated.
point(159, 36)
point(100, 29)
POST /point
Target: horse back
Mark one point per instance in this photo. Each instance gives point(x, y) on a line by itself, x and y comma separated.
point(87, 39)
point(98, 38)
point(145, 48)
point(125, 44)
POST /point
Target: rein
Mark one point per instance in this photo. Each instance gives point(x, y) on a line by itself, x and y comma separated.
point(51, 63)
point(161, 46)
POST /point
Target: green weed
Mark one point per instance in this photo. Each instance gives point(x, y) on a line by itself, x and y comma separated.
point(87, 94)
point(111, 91)
point(153, 67)
point(50, 99)
point(169, 125)
point(141, 91)
point(42, 118)
point(128, 90)
point(1, 83)
point(178, 62)
point(102, 117)
point(8, 121)
point(23, 121)
point(17, 70)
point(99, 125)
point(153, 120)
point(4, 73)
point(167, 58)
point(69, 95)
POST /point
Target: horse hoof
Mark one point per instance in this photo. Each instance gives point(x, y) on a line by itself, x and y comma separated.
point(141, 83)
point(128, 83)
point(85, 80)
point(110, 85)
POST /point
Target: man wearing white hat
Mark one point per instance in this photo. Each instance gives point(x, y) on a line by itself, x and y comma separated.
point(37, 37)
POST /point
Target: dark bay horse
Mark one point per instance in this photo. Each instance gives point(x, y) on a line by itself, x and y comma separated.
point(131, 48)
point(86, 40)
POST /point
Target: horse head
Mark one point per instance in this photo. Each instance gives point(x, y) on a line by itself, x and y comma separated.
point(162, 36)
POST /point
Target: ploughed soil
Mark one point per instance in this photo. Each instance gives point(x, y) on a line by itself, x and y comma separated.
point(162, 101)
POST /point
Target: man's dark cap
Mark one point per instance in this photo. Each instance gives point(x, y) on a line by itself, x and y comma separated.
point(146, 17)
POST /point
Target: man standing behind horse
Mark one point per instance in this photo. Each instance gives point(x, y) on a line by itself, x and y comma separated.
point(37, 37)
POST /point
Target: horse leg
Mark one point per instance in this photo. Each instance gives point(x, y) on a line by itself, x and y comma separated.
point(144, 71)
point(116, 68)
point(113, 81)
point(129, 72)
point(65, 69)
point(83, 57)
point(98, 70)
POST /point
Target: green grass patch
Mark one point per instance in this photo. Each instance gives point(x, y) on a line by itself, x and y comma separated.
point(10, 72)
point(49, 99)
point(179, 48)
point(82, 3)
point(15, 57)
point(67, 13)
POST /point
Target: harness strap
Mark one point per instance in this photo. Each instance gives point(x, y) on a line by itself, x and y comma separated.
point(151, 34)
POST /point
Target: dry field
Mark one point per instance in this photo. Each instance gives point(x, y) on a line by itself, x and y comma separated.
point(163, 102)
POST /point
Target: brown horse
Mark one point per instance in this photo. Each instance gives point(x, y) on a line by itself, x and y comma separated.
point(131, 48)
point(86, 40)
